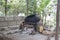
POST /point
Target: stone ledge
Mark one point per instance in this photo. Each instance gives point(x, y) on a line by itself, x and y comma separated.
point(9, 21)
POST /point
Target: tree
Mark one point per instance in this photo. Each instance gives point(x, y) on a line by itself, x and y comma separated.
point(43, 4)
point(14, 7)
point(31, 6)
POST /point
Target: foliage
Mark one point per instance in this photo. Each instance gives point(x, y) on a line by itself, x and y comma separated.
point(43, 4)
point(15, 7)
point(31, 6)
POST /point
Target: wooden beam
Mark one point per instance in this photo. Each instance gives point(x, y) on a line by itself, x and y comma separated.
point(57, 20)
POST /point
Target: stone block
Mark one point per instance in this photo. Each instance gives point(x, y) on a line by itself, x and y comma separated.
point(18, 18)
point(3, 24)
point(8, 18)
point(18, 22)
point(10, 23)
point(3, 28)
point(2, 18)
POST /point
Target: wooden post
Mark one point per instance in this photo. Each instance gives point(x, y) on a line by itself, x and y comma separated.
point(27, 6)
point(57, 20)
point(5, 7)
